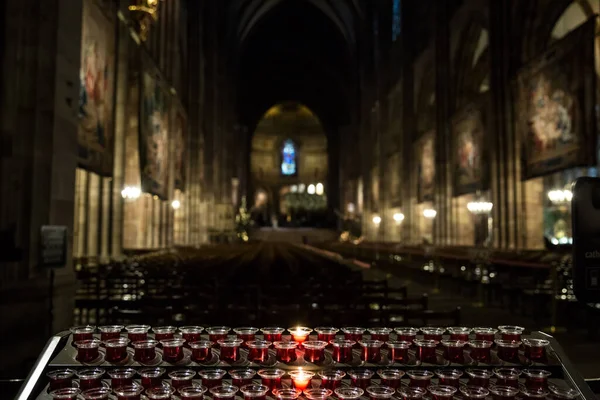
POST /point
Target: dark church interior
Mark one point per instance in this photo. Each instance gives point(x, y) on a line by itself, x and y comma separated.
point(300, 199)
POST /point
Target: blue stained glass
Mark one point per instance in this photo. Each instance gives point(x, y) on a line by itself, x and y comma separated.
point(288, 162)
point(395, 19)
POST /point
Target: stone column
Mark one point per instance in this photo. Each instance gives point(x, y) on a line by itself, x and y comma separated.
point(106, 216)
point(93, 215)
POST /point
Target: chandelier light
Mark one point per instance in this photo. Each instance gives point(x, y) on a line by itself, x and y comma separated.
point(398, 217)
point(376, 219)
point(176, 204)
point(480, 207)
point(429, 213)
point(131, 192)
point(560, 196)
point(311, 189)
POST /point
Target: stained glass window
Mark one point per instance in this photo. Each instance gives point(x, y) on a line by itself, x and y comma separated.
point(395, 19)
point(288, 159)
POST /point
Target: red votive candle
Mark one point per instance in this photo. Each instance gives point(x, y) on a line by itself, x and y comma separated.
point(287, 394)
point(411, 393)
point(484, 333)
point(433, 333)
point(426, 351)
point(317, 394)
point(160, 393)
point(390, 377)
point(454, 350)
point(81, 333)
point(326, 333)
point(194, 392)
point(481, 350)
point(535, 349)
point(474, 392)
point(254, 392)
point(110, 332)
point(299, 334)
point(536, 379)
point(191, 333)
point(151, 377)
point(271, 377)
point(479, 377)
point(90, 378)
point(331, 379)
point(121, 377)
point(246, 334)
point(501, 392)
point(508, 350)
point(136, 333)
point(301, 379)
point(354, 333)
point(145, 351)
point(100, 393)
point(342, 350)
point(224, 392)
point(449, 377)
point(459, 333)
point(201, 350)
point(272, 333)
point(349, 393)
point(88, 350)
point(419, 378)
point(242, 377)
point(381, 334)
point(562, 393)
point(360, 378)
point(442, 392)
point(164, 332)
point(258, 351)
point(212, 377)
point(285, 351)
point(60, 378)
point(507, 377)
point(398, 351)
point(314, 351)
point(230, 350)
point(116, 349)
point(511, 332)
point(172, 350)
point(129, 392)
point(183, 377)
point(65, 394)
point(216, 333)
point(371, 350)
point(406, 334)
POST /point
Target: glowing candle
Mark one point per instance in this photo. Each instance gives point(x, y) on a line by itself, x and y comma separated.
point(301, 379)
point(299, 334)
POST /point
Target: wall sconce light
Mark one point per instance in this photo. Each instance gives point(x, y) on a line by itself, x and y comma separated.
point(429, 213)
point(311, 189)
point(176, 204)
point(480, 207)
point(560, 196)
point(320, 189)
point(398, 217)
point(131, 192)
point(376, 219)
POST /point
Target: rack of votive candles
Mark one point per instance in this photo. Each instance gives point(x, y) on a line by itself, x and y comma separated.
point(376, 363)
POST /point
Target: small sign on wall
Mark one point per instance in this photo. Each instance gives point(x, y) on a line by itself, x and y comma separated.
point(53, 246)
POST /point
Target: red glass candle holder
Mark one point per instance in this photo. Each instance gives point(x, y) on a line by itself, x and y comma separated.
point(535, 349)
point(201, 350)
point(285, 351)
point(129, 392)
point(216, 333)
point(258, 351)
point(226, 392)
point(100, 393)
point(110, 332)
point(299, 334)
point(194, 392)
point(246, 334)
point(145, 351)
point(331, 379)
point(136, 333)
point(442, 392)
point(326, 333)
point(481, 351)
point(254, 392)
point(183, 377)
point(529, 394)
point(272, 333)
point(511, 332)
point(561, 393)
point(314, 351)
point(508, 350)
point(151, 377)
point(116, 349)
point(287, 394)
point(459, 333)
point(354, 333)
point(212, 377)
point(349, 393)
point(65, 393)
point(479, 377)
point(536, 379)
point(507, 377)
point(317, 394)
point(163, 392)
point(485, 333)
point(242, 377)
point(301, 379)
point(371, 350)
point(360, 378)
point(88, 350)
point(502, 392)
point(164, 332)
point(121, 377)
point(380, 392)
point(419, 378)
point(60, 378)
point(411, 393)
point(172, 350)
point(433, 333)
point(342, 350)
point(426, 351)
point(90, 378)
point(84, 332)
point(271, 377)
point(381, 334)
point(191, 333)
point(390, 377)
point(398, 351)
point(454, 350)
point(406, 334)
point(230, 350)
point(449, 377)
point(474, 392)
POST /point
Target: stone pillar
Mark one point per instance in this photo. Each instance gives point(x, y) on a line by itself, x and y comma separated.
point(93, 215)
point(106, 216)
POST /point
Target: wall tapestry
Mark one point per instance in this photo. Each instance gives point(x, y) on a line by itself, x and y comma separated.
point(426, 167)
point(555, 106)
point(96, 76)
point(468, 130)
point(154, 135)
point(180, 152)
